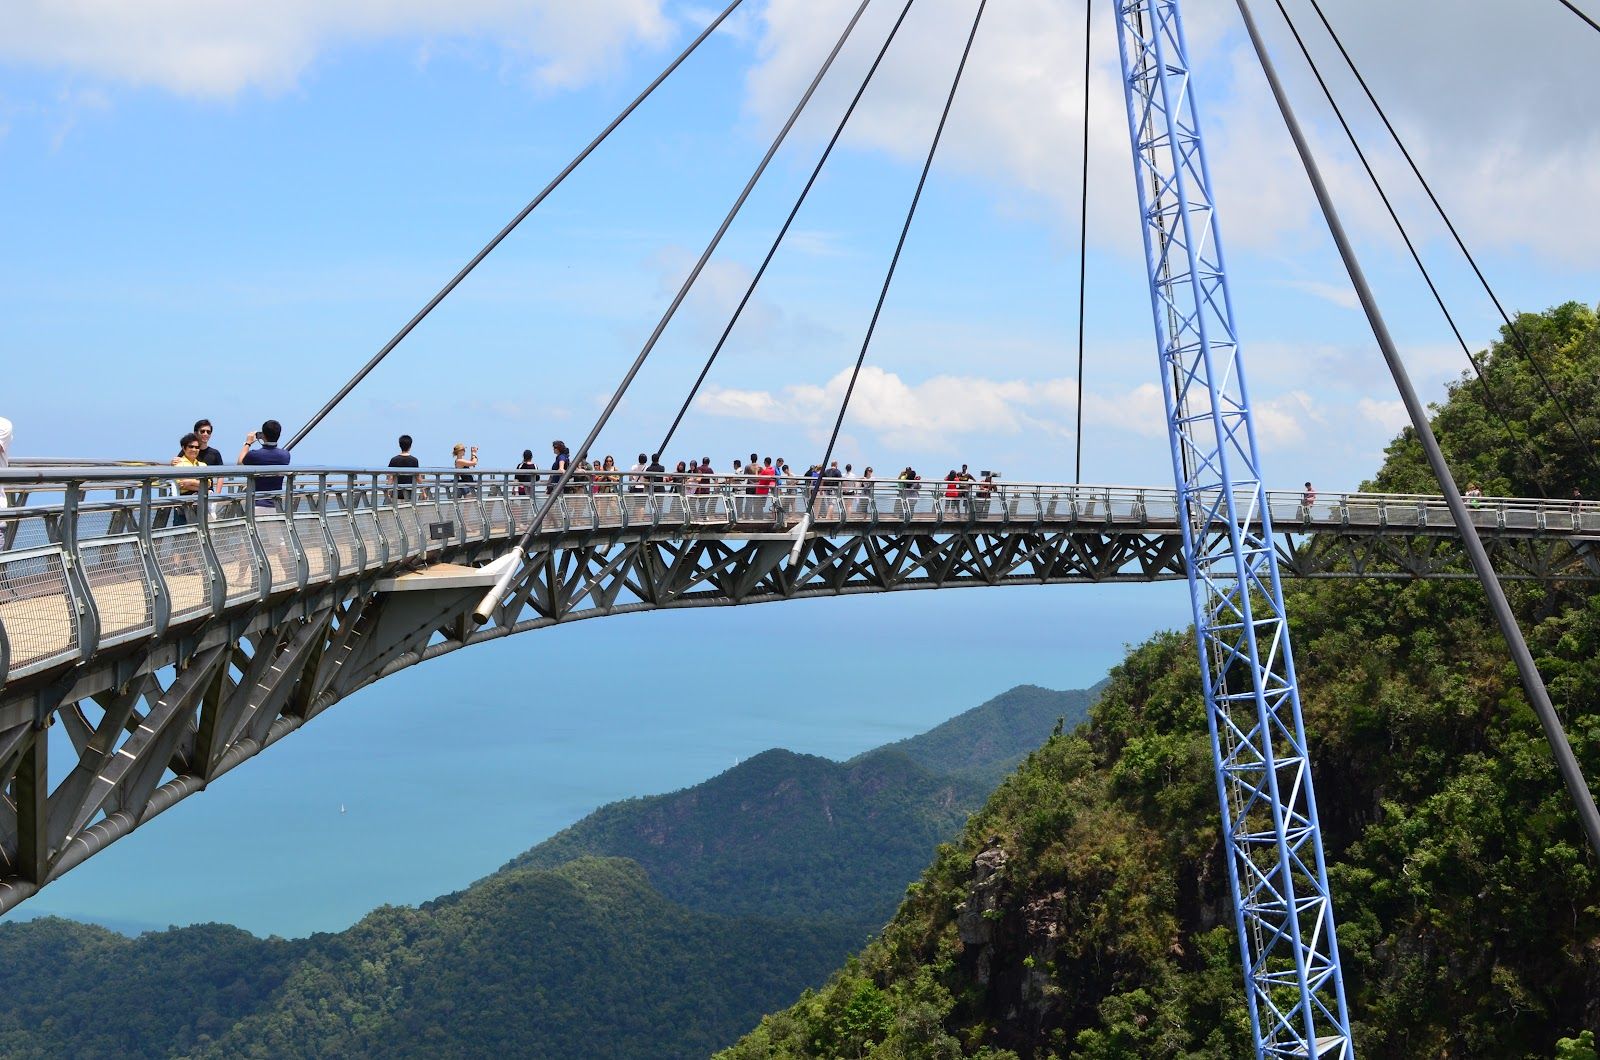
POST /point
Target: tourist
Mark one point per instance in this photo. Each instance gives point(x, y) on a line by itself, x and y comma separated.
point(908, 490)
point(558, 466)
point(735, 489)
point(5, 461)
point(403, 459)
point(459, 455)
point(268, 487)
point(208, 454)
point(188, 456)
point(607, 483)
point(766, 480)
point(527, 473)
point(1307, 499)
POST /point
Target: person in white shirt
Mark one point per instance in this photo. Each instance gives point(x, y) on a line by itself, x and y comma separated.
point(5, 452)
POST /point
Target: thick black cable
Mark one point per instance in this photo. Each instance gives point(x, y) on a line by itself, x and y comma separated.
point(1571, 7)
point(1511, 327)
point(772, 251)
point(1523, 444)
point(519, 552)
point(1532, 683)
point(894, 262)
point(509, 228)
point(1083, 236)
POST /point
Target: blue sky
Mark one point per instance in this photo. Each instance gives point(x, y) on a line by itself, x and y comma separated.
point(221, 209)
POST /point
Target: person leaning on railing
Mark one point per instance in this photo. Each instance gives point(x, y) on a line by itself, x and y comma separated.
point(188, 456)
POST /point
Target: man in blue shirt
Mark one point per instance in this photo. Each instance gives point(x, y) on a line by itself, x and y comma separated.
point(559, 465)
point(267, 486)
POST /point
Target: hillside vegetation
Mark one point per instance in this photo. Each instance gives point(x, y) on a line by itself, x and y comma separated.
point(1084, 910)
point(706, 908)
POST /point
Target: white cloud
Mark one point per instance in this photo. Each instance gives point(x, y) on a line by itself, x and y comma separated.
point(929, 414)
point(220, 47)
point(919, 414)
point(1341, 295)
point(1281, 421)
point(1016, 122)
point(1390, 415)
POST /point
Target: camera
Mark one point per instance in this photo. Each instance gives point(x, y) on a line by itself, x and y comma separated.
point(259, 437)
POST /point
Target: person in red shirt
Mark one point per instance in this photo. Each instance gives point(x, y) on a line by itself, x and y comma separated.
point(766, 483)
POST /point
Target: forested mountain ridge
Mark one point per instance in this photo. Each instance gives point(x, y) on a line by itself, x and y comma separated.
point(989, 741)
point(794, 835)
point(1084, 911)
point(782, 834)
point(745, 889)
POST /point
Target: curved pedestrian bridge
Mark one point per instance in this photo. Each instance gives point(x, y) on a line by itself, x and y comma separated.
point(173, 637)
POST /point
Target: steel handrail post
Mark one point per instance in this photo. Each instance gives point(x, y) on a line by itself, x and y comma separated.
point(292, 534)
point(410, 507)
point(86, 614)
point(485, 531)
point(253, 538)
point(349, 501)
point(375, 495)
point(320, 507)
point(160, 596)
point(216, 580)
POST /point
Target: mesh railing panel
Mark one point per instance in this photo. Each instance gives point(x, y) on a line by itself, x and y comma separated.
point(282, 566)
point(367, 528)
point(428, 513)
point(608, 508)
point(411, 520)
point(182, 560)
point(521, 510)
point(498, 524)
point(319, 559)
point(231, 542)
point(120, 585)
point(36, 609)
point(25, 532)
point(389, 522)
point(471, 519)
point(346, 550)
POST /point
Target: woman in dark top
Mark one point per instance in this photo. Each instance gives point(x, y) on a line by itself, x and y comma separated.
point(523, 470)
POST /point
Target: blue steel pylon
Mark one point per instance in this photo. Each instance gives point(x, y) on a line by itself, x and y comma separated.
point(1283, 911)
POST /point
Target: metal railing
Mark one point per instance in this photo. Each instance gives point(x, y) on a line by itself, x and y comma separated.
point(95, 557)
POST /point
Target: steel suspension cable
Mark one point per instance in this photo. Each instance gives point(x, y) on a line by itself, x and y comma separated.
point(511, 226)
point(1532, 683)
point(1524, 444)
point(894, 262)
point(772, 251)
point(518, 553)
point(1083, 237)
point(1573, 8)
point(1515, 332)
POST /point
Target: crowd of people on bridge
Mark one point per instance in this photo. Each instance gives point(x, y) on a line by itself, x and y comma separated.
point(760, 477)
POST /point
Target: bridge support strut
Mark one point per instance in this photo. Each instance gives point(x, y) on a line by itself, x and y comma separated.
point(1282, 907)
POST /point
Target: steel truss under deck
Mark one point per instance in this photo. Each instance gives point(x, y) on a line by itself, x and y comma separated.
point(1283, 910)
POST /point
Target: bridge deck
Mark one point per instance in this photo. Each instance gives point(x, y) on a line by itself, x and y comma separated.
point(115, 561)
point(172, 639)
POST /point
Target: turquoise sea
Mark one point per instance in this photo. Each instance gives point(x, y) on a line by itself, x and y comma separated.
point(435, 777)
